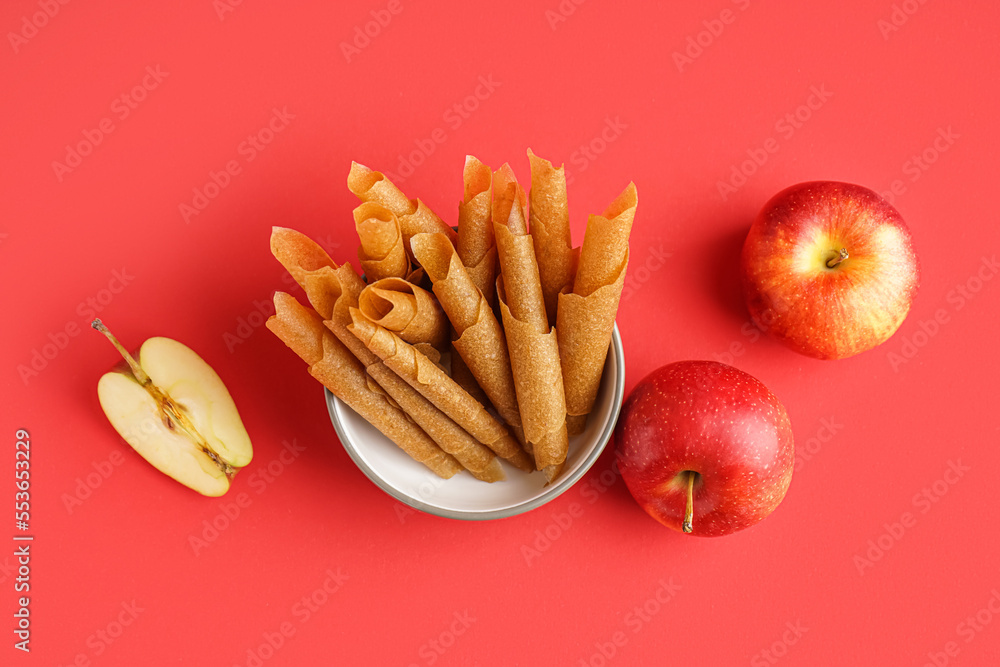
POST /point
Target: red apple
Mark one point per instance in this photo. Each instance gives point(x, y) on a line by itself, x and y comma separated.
point(829, 269)
point(704, 448)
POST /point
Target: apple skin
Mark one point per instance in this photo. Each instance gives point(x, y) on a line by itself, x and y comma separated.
point(715, 420)
point(821, 311)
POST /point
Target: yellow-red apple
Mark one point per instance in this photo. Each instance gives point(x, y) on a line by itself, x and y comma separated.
point(829, 269)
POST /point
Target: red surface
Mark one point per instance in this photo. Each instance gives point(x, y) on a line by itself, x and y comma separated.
point(873, 432)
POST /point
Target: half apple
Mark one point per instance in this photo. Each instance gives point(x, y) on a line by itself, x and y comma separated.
point(175, 411)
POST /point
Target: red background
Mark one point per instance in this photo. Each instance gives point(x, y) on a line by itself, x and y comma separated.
point(680, 129)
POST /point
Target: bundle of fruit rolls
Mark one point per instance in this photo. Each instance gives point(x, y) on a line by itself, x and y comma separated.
point(586, 315)
point(491, 339)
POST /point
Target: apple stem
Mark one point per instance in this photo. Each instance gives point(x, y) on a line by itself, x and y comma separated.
point(841, 256)
point(688, 525)
point(172, 414)
point(137, 371)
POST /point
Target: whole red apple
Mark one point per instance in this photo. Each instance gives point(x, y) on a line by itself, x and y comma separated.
point(829, 269)
point(704, 448)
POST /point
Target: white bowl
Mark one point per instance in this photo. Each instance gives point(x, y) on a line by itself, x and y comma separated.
point(463, 496)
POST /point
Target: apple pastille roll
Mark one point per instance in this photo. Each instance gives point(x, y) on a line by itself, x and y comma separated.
point(548, 217)
point(410, 312)
point(478, 253)
point(437, 387)
point(381, 251)
point(302, 330)
point(475, 245)
point(586, 315)
point(414, 216)
point(479, 340)
point(333, 291)
point(531, 343)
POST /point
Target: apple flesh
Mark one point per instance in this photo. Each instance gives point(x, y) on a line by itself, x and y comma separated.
point(704, 448)
point(829, 269)
point(175, 411)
